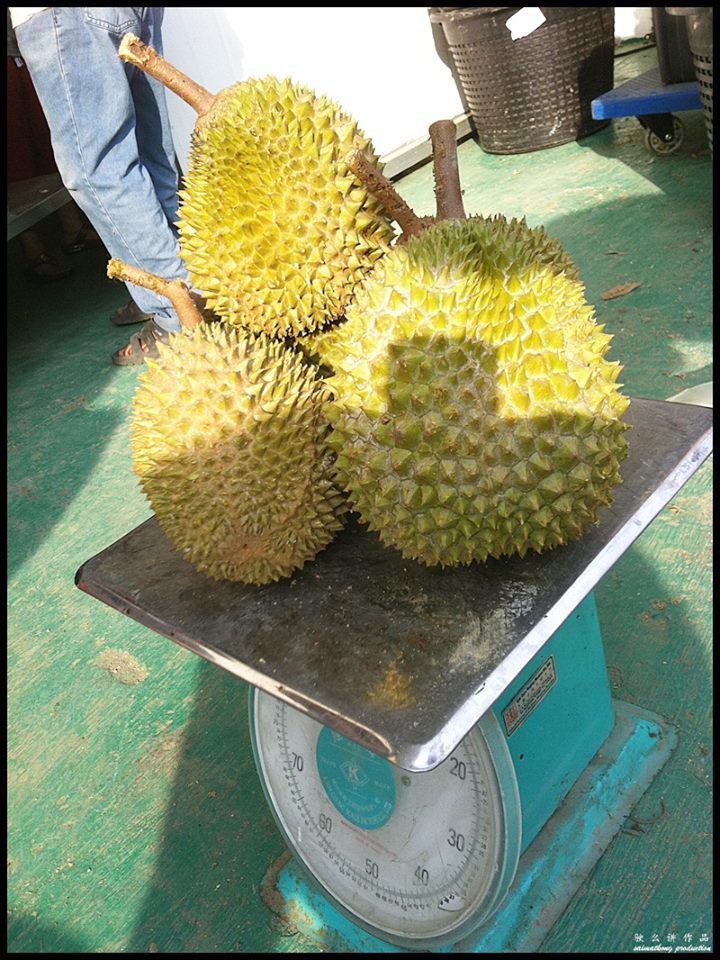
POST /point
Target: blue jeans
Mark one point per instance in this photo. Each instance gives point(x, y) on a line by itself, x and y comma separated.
point(110, 134)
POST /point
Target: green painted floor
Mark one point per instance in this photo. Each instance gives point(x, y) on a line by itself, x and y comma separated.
point(136, 820)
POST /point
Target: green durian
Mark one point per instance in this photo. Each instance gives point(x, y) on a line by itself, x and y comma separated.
point(474, 411)
point(228, 436)
point(275, 230)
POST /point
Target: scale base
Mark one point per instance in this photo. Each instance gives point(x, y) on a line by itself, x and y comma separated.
point(549, 872)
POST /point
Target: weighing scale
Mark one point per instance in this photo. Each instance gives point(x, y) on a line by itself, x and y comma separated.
point(440, 748)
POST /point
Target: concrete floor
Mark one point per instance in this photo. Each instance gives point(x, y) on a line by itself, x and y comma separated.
point(136, 820)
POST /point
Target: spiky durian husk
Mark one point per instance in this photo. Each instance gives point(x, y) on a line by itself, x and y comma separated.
point(275, 230)
point(228, 435)
point(474, 412)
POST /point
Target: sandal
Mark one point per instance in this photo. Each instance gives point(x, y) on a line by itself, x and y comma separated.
point(83, 239)
point(143, 345)
point(130, 313)
point(44, 269)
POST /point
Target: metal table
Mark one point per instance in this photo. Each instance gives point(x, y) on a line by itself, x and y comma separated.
point(29, 201)
point(401, 658)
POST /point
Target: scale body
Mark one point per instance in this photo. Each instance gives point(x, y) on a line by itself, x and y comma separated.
point(541, 735)
point(408, 663)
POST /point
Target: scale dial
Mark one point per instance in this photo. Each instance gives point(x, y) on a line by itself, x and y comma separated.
point(417, 859)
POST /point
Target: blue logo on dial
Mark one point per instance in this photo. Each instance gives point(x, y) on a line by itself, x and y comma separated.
point(359, 784)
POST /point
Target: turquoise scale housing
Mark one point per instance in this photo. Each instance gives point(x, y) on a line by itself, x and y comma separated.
point(582, 761)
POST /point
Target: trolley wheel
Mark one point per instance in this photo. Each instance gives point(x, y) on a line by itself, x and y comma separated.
point(664, 148)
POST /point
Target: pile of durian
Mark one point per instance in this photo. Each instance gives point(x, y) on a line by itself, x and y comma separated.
point(447, 385)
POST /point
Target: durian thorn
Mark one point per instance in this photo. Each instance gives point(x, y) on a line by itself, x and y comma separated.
point(385, 193)
point(448, 192)
point(174, 290)
point(134, 51)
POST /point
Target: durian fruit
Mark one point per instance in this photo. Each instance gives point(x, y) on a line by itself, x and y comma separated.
point(275, 230)
point(228, 435)
point(474, 411)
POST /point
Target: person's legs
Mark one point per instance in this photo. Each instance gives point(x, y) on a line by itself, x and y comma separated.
point(154, 135)
point(85, 91)
point(40, 266)
point(77, 233)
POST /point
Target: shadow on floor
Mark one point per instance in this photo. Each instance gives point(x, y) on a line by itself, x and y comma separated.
point(219, 836)
point(28, 935)
point(628, 134)
point(65, 398)
point(668, 316)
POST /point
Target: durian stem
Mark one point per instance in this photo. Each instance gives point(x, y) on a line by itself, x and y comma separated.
point(385, 193)
point(173, 290)
point(134, 51)
point(448, 192)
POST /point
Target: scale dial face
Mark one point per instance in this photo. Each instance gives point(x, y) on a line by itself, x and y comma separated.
point(417, 859)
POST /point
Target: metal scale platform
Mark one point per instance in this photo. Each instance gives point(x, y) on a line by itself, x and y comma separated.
point(393, 701)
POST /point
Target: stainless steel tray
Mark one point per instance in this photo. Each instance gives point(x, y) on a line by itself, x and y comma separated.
point(401, 658)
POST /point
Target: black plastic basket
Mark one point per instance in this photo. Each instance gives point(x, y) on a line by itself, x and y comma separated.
point(536, 91)
point(700, 36)
point(675, 59)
